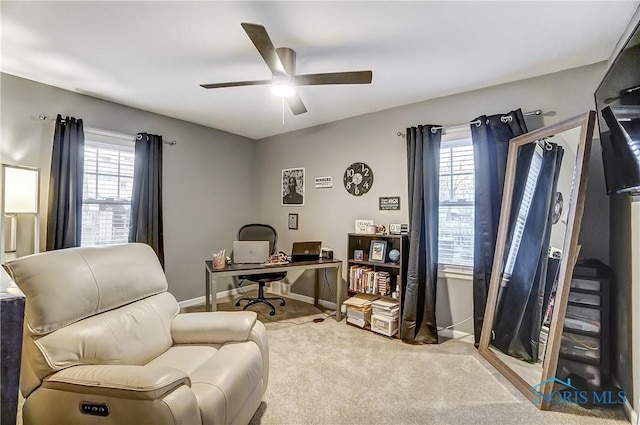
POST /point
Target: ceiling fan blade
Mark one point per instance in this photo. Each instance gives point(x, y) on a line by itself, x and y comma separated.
point(260, 38)
point(352, 77)
point(296, 105)
point(235, 84)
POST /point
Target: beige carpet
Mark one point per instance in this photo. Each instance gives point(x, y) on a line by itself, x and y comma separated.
point(333, 373)
point(293, 313)
point(327, 372)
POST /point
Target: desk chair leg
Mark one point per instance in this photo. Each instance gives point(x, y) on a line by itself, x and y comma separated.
point(261, 299)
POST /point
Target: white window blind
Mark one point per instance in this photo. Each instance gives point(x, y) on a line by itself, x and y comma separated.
point(523, 211)
point(106, 196)
point(455, 243)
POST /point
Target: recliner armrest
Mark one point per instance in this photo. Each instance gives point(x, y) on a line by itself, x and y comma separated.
point(123, 381)
point(217, 327)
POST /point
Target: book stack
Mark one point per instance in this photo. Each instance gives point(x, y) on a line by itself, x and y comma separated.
point(385, 316)
point(363, 279)
point(383, 283)
point(359, 309)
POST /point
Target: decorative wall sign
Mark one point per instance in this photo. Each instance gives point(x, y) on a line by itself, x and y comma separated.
point(293, 221)
point(293, 186)
point(324, 182)
point(361, 225)
point(358, 178)
point(389, 203)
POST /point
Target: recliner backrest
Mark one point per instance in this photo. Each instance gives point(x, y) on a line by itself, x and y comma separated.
point(95, 305)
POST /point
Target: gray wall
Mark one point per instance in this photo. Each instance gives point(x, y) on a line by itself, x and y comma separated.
point(204, 206)
point(208, 176)
point(328, 149)
point(621, 293)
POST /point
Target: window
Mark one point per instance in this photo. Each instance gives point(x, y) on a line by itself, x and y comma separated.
point(455, 243)
point(523, 211)
point(106, 193)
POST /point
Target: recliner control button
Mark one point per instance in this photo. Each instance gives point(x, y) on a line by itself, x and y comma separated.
point(96, 409)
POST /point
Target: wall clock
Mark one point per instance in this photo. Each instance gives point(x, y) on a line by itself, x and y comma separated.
point(557, 208)
point(358, 178)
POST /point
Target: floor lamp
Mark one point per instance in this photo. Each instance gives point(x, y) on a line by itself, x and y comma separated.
point(20, 195)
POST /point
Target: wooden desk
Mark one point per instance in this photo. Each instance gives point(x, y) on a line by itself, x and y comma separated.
point(211, 286)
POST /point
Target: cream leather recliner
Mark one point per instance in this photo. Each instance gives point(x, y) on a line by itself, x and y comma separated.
point(104, 343)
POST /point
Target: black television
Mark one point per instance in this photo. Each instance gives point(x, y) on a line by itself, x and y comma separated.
point(618, 104)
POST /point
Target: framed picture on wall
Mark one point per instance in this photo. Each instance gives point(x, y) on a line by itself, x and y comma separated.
point(378, 251)
point(292, 187)
point(293, 221)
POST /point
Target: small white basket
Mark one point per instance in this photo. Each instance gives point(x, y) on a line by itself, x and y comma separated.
point(384, 325)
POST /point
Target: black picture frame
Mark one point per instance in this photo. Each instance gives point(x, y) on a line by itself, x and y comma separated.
point(293, 221)
point(378, 251)
point(292, 187)
point(358, 255)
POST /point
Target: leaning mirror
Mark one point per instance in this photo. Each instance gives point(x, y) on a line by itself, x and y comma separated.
point(536, 249)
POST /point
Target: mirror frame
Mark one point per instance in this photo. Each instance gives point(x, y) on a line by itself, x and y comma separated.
point(586, 122)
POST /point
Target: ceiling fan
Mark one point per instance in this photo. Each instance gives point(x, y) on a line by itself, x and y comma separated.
point(282, 63)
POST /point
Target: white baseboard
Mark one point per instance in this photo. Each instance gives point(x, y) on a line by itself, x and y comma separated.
point(454, 334)
point(236, 291)
point(633, 417)
point(191, 302)
point(201, 300)
point(628, 409)
point(305, 299)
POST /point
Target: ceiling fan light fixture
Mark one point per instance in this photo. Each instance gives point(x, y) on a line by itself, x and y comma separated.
point(284, 80)
point(282, 89)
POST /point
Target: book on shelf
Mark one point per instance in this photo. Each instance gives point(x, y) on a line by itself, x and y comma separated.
point(368, 281)
point(359, 316)
point(359, 309)
point(358, 322)
point(386, 304)
point(360, 300)
point(359, 313)
point(386, 308)
point(394, 314)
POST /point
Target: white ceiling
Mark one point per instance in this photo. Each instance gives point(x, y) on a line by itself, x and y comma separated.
point(153, 55)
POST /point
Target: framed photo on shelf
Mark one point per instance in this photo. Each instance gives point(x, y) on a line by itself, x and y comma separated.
point(358, 255)
point(378, 251)
point(293, 221)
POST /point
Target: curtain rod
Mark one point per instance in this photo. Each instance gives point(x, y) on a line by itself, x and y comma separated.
point(477, 122)
point(167, 142)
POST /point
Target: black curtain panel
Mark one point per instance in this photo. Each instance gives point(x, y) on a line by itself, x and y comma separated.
point(521, 305)
point(419, 295)
point(146, 201)
point(490, 146)
point(64, 212)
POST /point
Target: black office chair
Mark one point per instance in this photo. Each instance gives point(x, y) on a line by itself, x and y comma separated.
point(261, 232)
